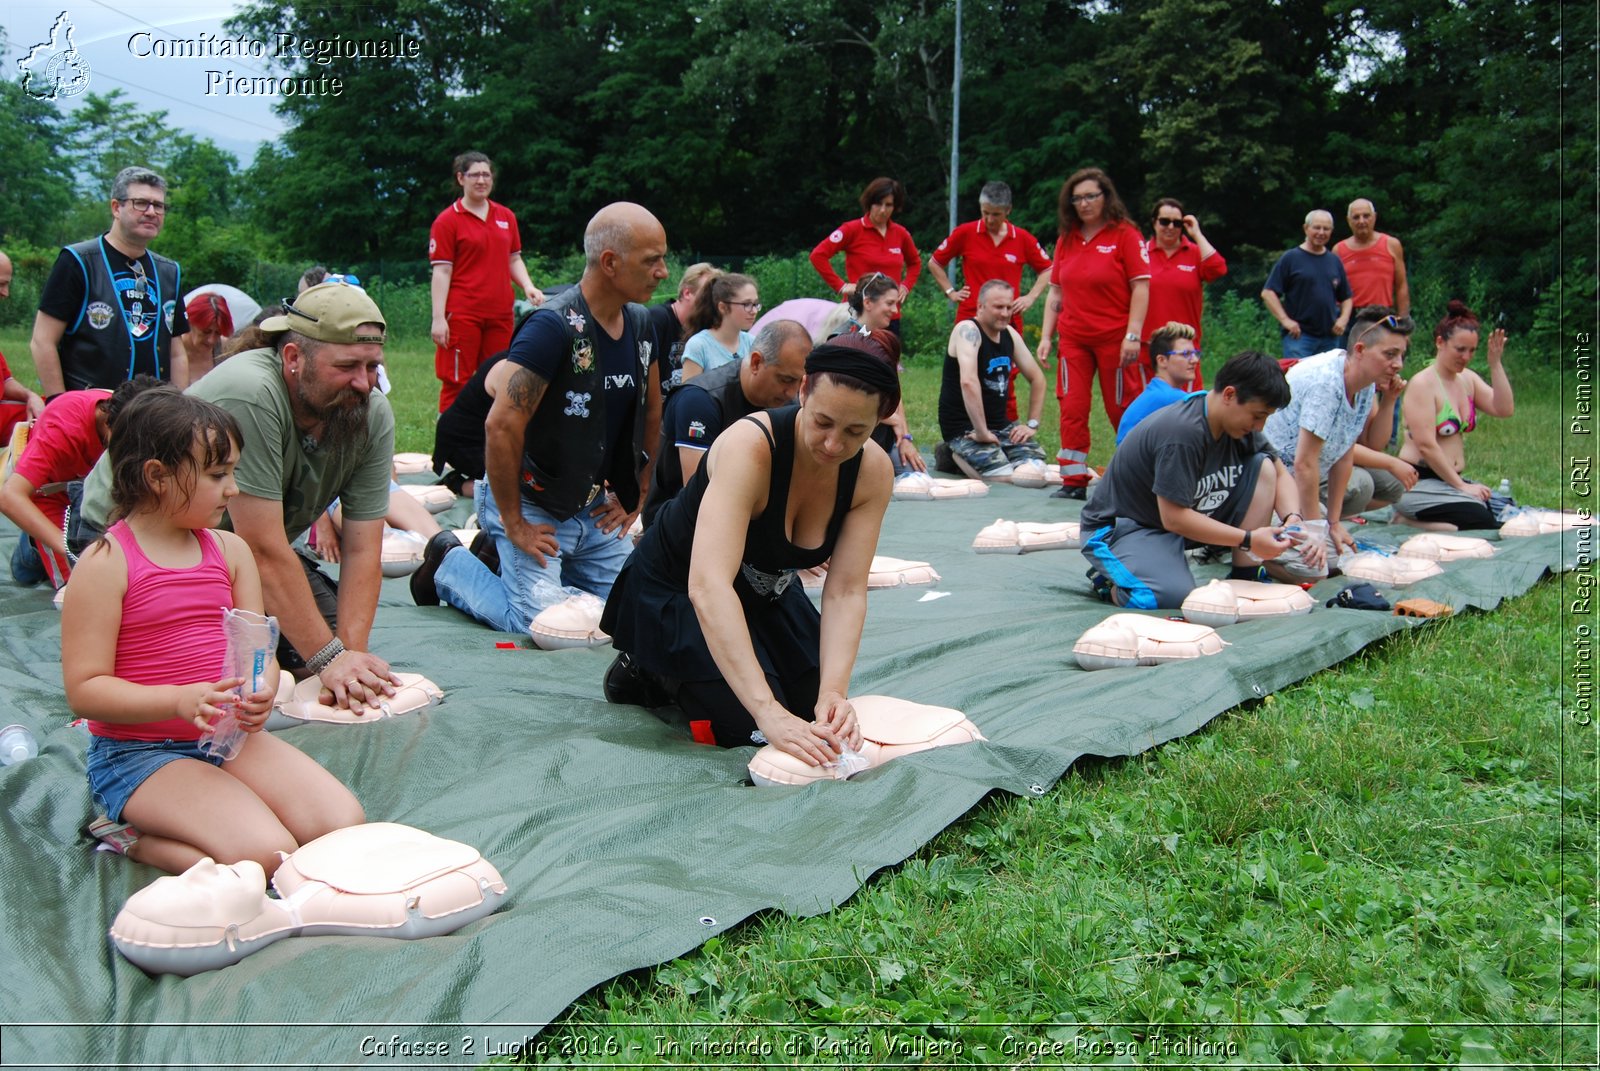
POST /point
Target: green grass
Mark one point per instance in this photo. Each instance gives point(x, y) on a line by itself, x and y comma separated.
point(1404, 839)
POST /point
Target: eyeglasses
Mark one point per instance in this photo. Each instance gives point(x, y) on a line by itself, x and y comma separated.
point(1169, 223)
point(144, 204)
point(1192, 355)
point(1400, 324)
point(753, 306)
point(1086, 198)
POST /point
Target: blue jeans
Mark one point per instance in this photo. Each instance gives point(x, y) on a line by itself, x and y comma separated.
point(588, 560)
point(1308, 345)
point(27, 567)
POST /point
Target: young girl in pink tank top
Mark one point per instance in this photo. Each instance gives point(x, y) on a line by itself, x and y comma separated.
point(143, 657)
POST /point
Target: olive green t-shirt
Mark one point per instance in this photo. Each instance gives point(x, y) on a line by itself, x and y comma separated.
point(273, 461)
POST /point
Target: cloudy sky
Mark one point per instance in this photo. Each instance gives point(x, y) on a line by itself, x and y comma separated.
point(106, 36)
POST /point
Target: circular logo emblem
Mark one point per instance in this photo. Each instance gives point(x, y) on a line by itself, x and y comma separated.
point(67, 74)
point(99, 314)
point(168, 310)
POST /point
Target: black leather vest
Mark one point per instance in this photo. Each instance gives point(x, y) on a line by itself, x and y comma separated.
point(111, 342)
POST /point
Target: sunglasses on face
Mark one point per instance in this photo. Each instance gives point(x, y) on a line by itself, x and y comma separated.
point(1169, 223)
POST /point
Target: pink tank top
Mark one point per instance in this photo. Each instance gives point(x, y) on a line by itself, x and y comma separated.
point(171, 628)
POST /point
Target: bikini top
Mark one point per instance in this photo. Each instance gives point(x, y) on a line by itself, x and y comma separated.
point(1450, 421)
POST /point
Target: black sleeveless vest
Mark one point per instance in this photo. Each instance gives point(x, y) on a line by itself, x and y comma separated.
point(101, 348)
point(563, 446)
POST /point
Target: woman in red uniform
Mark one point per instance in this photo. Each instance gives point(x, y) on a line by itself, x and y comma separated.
point(1181, 261)
point(1099, 288)
point(872, 243)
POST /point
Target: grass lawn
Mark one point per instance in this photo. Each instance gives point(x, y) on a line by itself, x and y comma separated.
point(1405, 841)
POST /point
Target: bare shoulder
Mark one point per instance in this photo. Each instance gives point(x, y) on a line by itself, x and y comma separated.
point(233, 545)
point(103, 569)
point(876, 478)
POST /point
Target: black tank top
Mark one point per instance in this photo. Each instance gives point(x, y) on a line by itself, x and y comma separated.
point(994, 382)
point(770, 559)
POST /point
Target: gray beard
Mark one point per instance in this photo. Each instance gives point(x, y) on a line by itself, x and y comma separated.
point(343, 428)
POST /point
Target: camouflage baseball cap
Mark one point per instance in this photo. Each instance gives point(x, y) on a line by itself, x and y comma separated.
point(329, 312)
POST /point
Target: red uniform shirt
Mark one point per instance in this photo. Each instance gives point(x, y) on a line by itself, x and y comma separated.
point(479, 254)
point(1096, 280)
point(62, 446)
point(1175, 285)
point(1370, 271)
point(982, 259)
point(865, 250)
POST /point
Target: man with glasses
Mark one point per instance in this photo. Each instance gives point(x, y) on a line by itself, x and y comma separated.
point(1308, 292)
point(111, 309)
point(1175, 359)
point(476, 252)
point(1341, 405)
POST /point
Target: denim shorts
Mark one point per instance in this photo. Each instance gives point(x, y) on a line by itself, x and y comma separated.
point(118, 767)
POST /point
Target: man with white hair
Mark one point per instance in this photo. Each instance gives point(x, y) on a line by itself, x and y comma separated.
point(566, 443)
point(1308, 292)
point(1375, 263)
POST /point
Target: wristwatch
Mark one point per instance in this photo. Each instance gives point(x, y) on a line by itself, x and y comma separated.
point(1245, 543)
point(1034, 424)
point(1130, 337)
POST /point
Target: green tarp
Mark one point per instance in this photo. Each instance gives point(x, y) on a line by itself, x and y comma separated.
point(624, 844)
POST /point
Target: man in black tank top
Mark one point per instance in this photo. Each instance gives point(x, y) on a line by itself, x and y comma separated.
point(979, 440)
point(697, 411)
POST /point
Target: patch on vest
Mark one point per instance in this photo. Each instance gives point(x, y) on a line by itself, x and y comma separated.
point(575, 319)
point(577, 404)
point(99, 314)
point(168, 311)
point(582, 354)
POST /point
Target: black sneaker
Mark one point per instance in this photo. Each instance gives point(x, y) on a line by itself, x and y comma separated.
point(486, 551)
point(628, 685)
point(1100, 584)
point(1076, 491)
point(423, 591)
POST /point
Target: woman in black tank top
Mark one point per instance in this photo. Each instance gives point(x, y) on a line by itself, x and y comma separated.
point(709, 601)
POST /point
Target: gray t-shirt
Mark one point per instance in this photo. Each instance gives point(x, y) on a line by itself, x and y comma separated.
point(1318, 404)
point(273, 462)
point(1173, 455)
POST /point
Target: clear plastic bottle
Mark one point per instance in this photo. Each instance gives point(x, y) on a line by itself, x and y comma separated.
point(17, 745)
point(1505, 487)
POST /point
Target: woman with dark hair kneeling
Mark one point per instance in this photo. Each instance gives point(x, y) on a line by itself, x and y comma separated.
point(709, 598)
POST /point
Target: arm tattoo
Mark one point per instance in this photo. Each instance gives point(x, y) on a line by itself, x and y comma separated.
point(969, 332)
point(526, 390)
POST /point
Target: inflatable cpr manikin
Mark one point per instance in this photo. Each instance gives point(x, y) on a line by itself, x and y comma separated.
point(1532, 522)
point(1135, 640)
point(890, 728)
point(1021, 537)
point(898, 573)
point(374, 880)
point(574, 622)
point(920, 487)
point(299, 703)
point(409, 464)
point(435, 498)
point(1031, 474)
point(1387, 570)
point(402, 551)
point(1222, 602)
point(1438, 547)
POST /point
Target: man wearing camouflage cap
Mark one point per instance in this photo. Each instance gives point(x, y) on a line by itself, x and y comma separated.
point(314, 431)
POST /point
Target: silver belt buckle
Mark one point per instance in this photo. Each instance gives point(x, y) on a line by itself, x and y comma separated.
point(594, 493)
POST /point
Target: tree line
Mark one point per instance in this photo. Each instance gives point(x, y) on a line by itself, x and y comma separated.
point(750, 126)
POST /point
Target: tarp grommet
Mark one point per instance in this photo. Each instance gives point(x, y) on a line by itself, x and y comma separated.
point(1256, 688)
point(1036, 788)
point(707, 920)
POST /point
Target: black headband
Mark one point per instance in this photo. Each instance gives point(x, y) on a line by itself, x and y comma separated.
point(875, 372)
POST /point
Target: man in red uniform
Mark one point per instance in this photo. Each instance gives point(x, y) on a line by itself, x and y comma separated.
point(476, 252)
point(1375, 263)
point(1182, 261)
point(991, 248)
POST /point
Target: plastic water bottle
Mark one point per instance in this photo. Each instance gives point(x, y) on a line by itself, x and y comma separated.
point(1505, 487)
point(17, 745)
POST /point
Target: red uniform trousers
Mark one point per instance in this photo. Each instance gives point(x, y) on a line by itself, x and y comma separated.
point(1077, 364)
point(472, 341)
